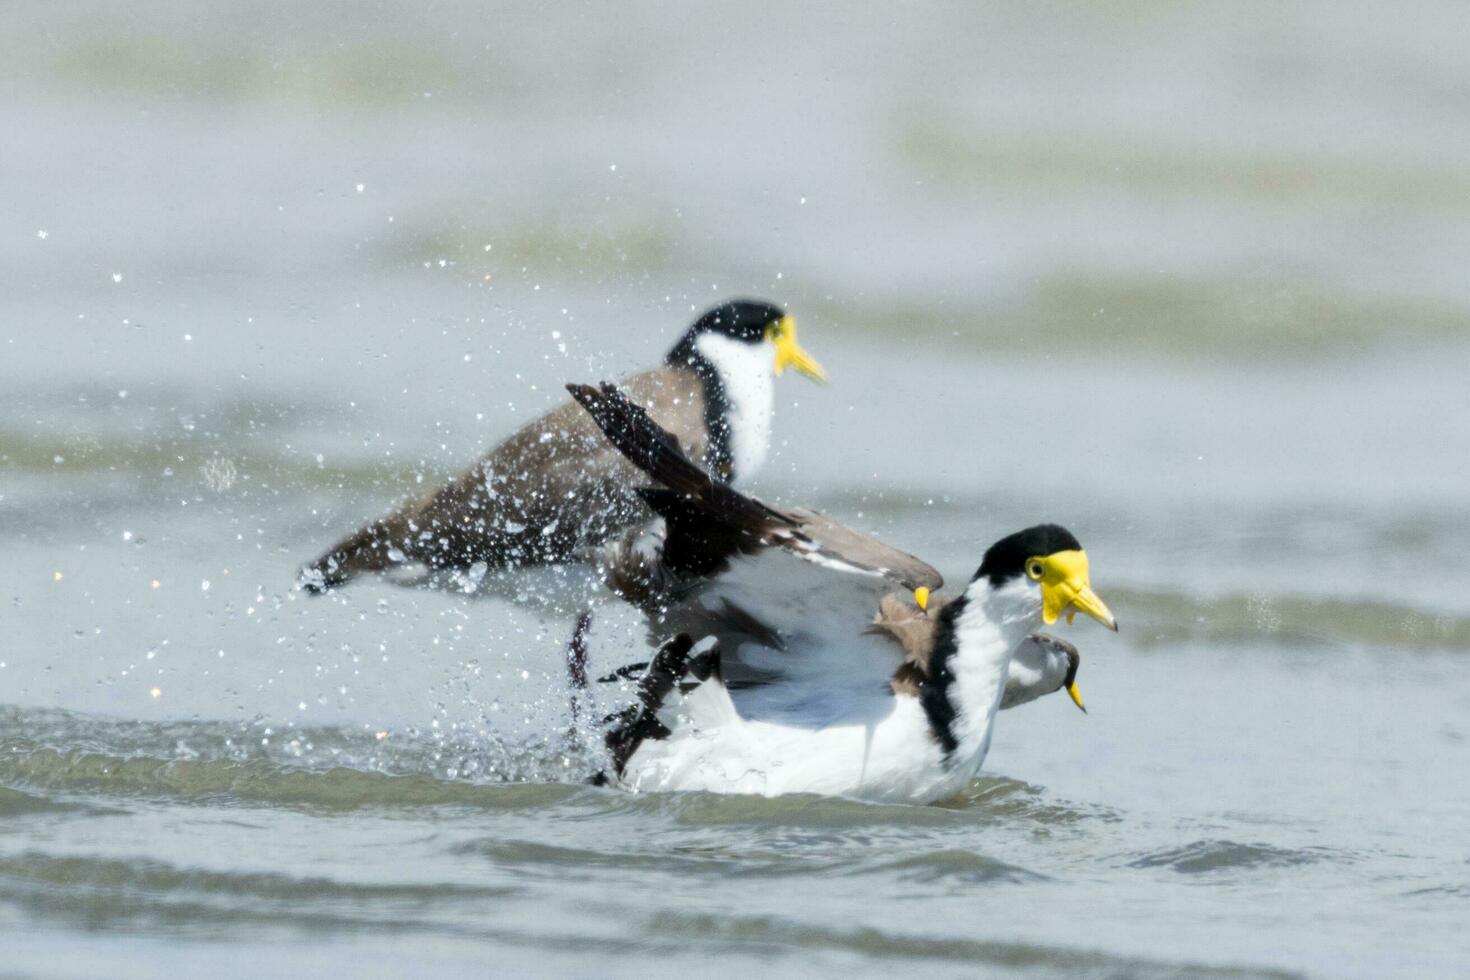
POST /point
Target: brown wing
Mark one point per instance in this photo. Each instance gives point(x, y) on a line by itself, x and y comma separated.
point(823, 538)
point(709, 522)
point(913, 629)
point(549, 489)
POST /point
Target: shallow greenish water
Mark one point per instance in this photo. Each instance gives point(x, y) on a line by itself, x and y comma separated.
point(1188, 280)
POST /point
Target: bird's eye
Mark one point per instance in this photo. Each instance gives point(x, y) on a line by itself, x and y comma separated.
point(773, 332)
point(1034, 570)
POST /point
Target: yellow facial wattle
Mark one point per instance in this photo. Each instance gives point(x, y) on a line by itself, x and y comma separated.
point(1065, 587)
point(789, 353)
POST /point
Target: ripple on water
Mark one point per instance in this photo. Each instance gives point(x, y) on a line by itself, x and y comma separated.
point(1168, 619)
point(656, 856)
point(214, 763)
point(114, 894)
point(59, 752)
point(258, 782)
point(758, 933)
point(743, 859)
point(14, 803)
point(1203, 856)
point(814, 813)
point(1440, 891)
point(955, 866)
point(999, 797)
point(990, 800)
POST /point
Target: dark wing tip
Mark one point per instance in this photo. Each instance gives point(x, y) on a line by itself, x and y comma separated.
point(586, 395)
point(321, 576)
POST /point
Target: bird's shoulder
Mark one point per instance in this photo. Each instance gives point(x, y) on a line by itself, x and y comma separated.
point(914, 631)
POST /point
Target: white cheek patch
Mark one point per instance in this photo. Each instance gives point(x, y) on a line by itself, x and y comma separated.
point(1016, 601)
point(747, 372)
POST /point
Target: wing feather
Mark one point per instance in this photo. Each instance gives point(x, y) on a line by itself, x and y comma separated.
point(709, 522)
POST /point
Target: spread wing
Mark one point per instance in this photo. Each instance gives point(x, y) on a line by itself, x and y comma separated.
point(708, 523)
point(724, 568)
point(789, 592)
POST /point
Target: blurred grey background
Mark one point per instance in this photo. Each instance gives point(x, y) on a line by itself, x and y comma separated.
point(1138, 179)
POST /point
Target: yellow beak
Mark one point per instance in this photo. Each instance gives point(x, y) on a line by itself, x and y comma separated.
point(921, 597)
point(789, 352)
point(1076, 696)
point(1065, 588)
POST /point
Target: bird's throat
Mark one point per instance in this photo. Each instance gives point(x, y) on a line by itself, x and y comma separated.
point(977, 634)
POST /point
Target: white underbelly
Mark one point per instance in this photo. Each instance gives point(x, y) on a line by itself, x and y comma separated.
point(895, 759)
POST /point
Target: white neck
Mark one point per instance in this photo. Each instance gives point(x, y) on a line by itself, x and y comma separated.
point(987, 631)
point(747, 375)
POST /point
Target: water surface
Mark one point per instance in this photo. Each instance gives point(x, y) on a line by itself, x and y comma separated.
point(1188, 281)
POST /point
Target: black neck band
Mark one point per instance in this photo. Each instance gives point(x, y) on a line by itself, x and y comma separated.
point(718, 457)
point(934, 692)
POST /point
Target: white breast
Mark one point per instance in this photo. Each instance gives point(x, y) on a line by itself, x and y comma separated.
point(747, 374)
point(892, 758)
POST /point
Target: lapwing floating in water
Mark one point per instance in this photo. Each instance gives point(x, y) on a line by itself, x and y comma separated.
point(792, 668)
point(556, 487)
